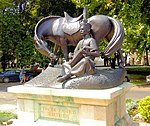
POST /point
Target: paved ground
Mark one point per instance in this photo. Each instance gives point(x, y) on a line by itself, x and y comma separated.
point(5, 97)
point(139, 92)
point(8, 101)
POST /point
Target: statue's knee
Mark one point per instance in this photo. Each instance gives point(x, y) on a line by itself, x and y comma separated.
point(86, 60)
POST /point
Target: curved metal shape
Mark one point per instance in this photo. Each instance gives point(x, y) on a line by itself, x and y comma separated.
point(116, 41)
point(42, 30)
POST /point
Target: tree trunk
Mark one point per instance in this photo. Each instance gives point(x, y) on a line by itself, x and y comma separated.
point(147, 63)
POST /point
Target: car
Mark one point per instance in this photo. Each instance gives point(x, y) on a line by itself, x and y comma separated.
point(13, 76)
point(148, 78)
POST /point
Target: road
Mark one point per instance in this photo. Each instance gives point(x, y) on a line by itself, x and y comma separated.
point(5, 97)
point(4, 86)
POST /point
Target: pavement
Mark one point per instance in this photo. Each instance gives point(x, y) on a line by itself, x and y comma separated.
point(138, 92)
point(8, 101)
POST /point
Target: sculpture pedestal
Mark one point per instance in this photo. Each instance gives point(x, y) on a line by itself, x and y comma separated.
point(69, 107)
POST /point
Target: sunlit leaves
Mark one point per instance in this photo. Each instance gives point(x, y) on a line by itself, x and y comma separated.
point(5, 4)
point(134, 16)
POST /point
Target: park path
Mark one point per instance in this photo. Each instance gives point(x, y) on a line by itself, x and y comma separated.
point(8, 101)
point(138, 92)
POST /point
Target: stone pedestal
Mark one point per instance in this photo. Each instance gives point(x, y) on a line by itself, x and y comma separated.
point(71, 107)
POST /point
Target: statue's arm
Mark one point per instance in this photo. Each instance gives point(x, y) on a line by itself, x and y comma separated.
point(92, 52)
point(92, 49)
point(77, 47)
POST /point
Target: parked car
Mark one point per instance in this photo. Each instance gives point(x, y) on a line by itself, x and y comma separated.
point(13, 76)
point(148, 78)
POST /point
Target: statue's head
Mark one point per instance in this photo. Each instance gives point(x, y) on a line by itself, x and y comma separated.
point(85, 27)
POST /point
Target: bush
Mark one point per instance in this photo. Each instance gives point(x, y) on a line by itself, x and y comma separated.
point(131, 107)
point(142, 70)
point(144, 108)
point(5, 116)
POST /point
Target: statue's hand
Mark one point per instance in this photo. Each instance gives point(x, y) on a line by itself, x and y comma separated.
point(87, 47)
point(84, 51)
point(52, 55)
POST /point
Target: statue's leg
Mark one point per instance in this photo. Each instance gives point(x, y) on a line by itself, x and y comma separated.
point(121, 65)
point(76, 58)
point(83, 66)
point(78, 69)
point(64, 48)
point(56, 47)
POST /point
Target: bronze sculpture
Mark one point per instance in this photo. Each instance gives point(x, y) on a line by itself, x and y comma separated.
point(84, 55)
point(64, 31)
point(84, 33)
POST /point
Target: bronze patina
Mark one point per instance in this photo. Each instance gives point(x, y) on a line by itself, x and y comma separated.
point(64, 31)
point(78, 70)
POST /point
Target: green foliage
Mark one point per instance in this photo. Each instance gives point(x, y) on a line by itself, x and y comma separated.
point(143, 70)
point(145, 11)
point(16, 42)
point(144, 108)
point(131, 107)
point(18, 19)
point(5, 116)
point(133, 14)
point(5, 3)
point(24, 50)
point(10, 31)
point(137, 74)
point(129, 103)
point(105, 7)
point(130, 15)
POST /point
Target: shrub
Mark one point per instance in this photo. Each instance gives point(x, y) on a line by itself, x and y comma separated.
point(144, 108)
point(5, 116)
point(142, 70)
point(131, 107)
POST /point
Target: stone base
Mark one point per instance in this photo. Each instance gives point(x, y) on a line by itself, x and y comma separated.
point(40, 123)
point(67, 107)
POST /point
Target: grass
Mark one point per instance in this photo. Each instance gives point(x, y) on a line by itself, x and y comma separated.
point(138, 79)
point(5, 116)
point(138, 82)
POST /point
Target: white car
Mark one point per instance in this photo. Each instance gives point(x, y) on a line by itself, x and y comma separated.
point(148, 78)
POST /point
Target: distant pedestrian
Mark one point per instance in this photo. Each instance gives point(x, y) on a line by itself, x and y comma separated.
point(22, 75)
point(43, 69)
point(4, 65)
point(46, 65)
point(35, 69)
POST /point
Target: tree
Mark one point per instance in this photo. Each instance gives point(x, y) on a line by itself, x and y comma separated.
point(4, 4)
point(134, 16)
point(18, 19)
point(13, 33)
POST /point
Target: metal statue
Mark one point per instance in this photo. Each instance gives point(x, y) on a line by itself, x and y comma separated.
point(64, 31)
point(85, 52)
